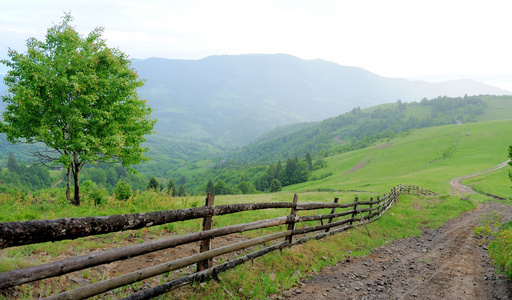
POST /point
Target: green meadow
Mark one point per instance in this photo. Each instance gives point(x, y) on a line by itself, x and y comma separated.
point(428, 157)
point(425, 157)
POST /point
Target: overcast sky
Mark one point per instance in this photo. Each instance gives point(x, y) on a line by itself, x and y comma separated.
point(393, 38)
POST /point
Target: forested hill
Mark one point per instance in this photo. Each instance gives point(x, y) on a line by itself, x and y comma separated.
point(361, 128)
point(231, 100)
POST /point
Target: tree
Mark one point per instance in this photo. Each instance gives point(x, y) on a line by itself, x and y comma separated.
point(181, 191)
point(12, 164)
point(79, 98)
point(275, 186)
point(221, 188)
point(510, 162)
point(171, 188)
point(153, 184)
point(309, 161)
point(123, 190)
point(210, 188)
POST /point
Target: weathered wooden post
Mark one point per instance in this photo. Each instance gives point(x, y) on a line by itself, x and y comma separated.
point(332, 212)
point(371, 204)
point(206, 244)
point(354, 211)
point(293, 214)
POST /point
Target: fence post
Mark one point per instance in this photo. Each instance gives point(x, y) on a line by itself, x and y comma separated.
point(206, 243)
point(354, 211)
point(293, 214)
point(332, 211)
point(371, 204)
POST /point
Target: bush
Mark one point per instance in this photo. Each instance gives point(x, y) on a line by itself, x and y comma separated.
point(500, 251)
point(123, 190)
point(99, 196)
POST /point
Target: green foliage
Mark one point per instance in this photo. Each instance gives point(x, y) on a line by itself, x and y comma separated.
point(181, 191)
point(171, 188)
point(510, 162)
point(77, 96)
point(89, 186)
point(500, 251)
point(99, 196)
point(221, 188)
point(275, 185)
point(12, 164)
point(210, 188)
point(153, 184)
point(123, 190)
point(360, 128)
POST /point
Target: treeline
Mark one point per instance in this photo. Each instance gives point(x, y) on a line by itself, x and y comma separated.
point(283, 157)
point(360, 128)
point(23, 177)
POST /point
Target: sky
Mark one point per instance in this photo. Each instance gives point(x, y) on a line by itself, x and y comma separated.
point(393, 38)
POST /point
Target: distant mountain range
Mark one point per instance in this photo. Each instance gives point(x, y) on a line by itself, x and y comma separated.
point(230, 100)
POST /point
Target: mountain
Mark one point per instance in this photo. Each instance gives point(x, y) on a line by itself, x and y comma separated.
point(3, 87)
point(230, 100)
point(361, 128)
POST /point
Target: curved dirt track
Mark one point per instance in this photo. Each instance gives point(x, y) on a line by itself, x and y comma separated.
point(446, 263)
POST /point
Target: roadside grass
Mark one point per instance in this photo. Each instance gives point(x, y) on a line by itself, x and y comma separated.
point(417, 159)
point(496, 183)
point(267, 275)
point(283, 270)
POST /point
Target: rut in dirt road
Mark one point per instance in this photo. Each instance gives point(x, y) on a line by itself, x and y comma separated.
point(446, 263)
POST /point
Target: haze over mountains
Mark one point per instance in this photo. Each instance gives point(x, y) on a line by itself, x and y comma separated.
point(230, 100)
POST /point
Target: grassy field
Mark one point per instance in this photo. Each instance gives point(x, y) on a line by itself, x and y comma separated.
point(426, 157)
point(423, 158)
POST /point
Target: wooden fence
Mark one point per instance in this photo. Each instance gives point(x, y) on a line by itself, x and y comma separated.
point(341, 217)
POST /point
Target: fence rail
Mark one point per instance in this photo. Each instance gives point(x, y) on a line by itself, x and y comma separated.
point(31, 232)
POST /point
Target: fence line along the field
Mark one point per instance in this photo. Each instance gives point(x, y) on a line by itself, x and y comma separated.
point(91, 226)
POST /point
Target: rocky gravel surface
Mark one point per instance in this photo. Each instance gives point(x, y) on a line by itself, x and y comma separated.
point(447, 263)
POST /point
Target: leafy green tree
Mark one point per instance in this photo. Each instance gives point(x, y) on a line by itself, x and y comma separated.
point(12, 164)
point(123, 190)
point(171, 188)
point(309, 161)
point(153, 184)
point(245, 187)
point(275, 186)
point(78, 97)
point(210, 188)
point(221, 188)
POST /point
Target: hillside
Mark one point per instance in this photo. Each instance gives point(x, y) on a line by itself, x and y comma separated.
point(231, 100)
point(422, 158)
point(362, 127)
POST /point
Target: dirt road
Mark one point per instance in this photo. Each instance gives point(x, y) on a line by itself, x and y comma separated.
point(446, 263)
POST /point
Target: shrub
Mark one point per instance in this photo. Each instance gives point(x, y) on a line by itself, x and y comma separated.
point(500, 251)
point(123, 190)
point(99, 196)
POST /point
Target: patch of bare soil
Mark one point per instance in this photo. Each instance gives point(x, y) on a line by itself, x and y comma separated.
point(446, 263)
point(357, 167)
point(383, 146)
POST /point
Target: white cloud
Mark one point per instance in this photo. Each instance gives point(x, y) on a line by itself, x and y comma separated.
point(397, 38)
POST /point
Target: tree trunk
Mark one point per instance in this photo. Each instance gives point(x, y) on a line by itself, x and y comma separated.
point(76, 172)
point(68, 186)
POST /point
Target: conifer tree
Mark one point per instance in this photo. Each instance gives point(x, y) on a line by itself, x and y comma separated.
point(12, 164)
point(171, 188)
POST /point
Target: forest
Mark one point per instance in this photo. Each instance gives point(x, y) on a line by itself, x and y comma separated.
point(279, 158)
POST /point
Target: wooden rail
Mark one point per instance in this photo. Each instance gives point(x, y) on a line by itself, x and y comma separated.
point(31, 232)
